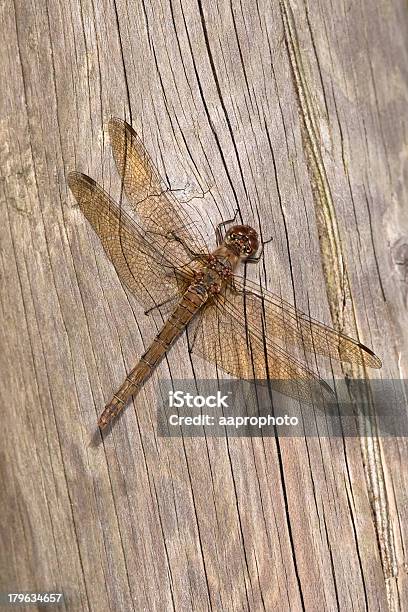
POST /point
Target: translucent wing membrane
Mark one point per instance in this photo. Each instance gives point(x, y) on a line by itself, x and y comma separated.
point(222, 336)
point(159, 211)
point(284, 321)
point(154, 277)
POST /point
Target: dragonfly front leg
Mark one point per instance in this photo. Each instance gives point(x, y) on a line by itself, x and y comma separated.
point(218, 233)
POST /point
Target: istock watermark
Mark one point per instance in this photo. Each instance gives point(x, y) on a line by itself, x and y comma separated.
point(194, 408)
point(179, 399)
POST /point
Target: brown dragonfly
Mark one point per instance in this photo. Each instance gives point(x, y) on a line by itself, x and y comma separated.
point(162, 257)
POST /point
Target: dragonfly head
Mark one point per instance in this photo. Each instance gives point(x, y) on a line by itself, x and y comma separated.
point(243, 240)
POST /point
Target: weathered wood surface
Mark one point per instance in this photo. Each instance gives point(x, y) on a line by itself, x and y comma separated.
point(296, 112)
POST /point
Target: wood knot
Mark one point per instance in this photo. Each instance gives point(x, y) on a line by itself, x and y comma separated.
point(400, 257)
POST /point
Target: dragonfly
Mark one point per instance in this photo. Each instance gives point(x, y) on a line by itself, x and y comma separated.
point(163, 258)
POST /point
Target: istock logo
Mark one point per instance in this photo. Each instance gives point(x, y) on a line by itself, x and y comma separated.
point(178, 399)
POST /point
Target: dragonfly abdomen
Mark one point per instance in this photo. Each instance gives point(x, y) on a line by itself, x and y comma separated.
point(193, 299)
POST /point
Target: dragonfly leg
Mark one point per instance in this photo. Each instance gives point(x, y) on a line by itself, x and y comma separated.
point(233, 286)
point(193, 254)
point(258, 257)
point(158, 306)
point(218, 232)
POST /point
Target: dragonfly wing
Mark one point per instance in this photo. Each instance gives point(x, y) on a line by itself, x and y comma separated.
point(151, 276)
point(160, 212)
point(221, 336)
point(284, 321)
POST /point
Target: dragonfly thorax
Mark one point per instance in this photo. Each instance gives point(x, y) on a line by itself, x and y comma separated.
point(209, 279)
point(220, 262)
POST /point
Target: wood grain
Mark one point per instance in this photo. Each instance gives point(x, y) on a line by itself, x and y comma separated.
point(293, 112)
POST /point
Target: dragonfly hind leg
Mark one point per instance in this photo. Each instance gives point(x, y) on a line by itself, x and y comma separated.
point(173, 298)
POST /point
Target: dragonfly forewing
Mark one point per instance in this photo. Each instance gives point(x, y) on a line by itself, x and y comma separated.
point(153, 276)
point(158, 209)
